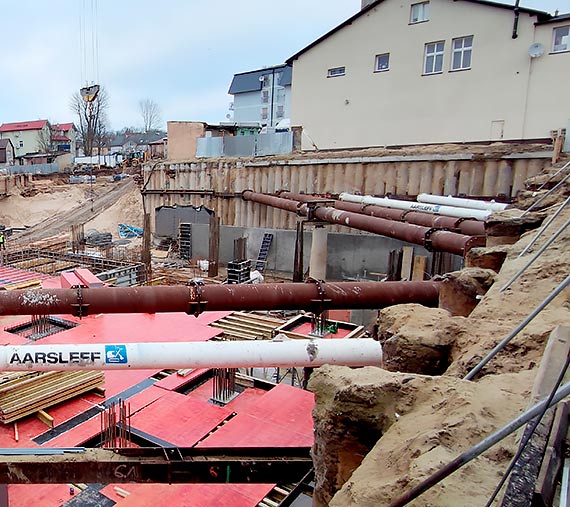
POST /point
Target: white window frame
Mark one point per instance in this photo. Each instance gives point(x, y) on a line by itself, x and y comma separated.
point(377, 67)
point(419, 13)
point(264, 113)
point(336, 72)
point(435, 53)
point(280, 113)
point(465, 49)
point(265, 96)
point(561, 48)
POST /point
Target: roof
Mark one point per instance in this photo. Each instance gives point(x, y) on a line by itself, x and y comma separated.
point(135, 138)
point(63, 126)
point(60, 138)
point(26, 125)
point(555, 19)
point(542, 17)
point(250, 81)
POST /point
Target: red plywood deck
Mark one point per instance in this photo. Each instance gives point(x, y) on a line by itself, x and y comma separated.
point(189, 495)
point(281, 418)
point(38, 495)
point(175, 381)
point(178, 419)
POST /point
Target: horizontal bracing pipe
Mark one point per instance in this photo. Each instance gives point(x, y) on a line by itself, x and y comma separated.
point(429, 237)
point(466, 226)
point(435, 209)
point(196, 298)
point(177, 355)
point(460, 202)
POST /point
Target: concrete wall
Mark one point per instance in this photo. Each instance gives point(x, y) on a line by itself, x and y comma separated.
point(490, 100)
point(182, 139)
point(350, 256)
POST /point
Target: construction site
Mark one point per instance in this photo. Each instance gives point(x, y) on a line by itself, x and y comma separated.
point(301, 330)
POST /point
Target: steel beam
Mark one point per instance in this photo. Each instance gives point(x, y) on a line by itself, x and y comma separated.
point(195, 298)
point(159, 465)
point(470, 227)
point(428, 237)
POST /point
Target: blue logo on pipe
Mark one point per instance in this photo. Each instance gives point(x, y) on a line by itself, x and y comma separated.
point(115, 354)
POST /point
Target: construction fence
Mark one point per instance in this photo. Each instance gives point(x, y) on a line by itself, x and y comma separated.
point(257, 145)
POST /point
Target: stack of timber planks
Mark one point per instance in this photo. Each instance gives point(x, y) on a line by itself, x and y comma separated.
point(25, 393)
point(248, 326)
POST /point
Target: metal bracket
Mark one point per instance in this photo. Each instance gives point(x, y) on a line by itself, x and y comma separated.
point(459, 221)
point(195, 305)
point(80, 309)
point(427, 237)
point(321, 303)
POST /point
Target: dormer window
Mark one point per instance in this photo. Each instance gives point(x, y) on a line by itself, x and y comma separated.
point(419, 12)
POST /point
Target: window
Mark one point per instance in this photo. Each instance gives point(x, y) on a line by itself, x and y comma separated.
point(265, 96)
point(561, 39)
point(336, 72)
point(382, 62)
point(21, 144)
point(280, 95)
point(280, 112)
point(419, 12)
point(264, 113)
point(461, 53)
point(433, 63)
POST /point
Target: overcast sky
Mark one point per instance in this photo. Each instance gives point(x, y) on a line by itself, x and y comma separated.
point(180, 53)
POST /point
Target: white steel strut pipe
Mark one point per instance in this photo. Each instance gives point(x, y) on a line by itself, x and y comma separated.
point(462, 203)
point(210, 354)
point(435, 209)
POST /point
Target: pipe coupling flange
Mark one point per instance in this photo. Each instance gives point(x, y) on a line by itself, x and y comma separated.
point(195, 304)
point(427, 237)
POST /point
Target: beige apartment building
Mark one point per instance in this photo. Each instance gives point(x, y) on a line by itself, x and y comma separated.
point(404, 72)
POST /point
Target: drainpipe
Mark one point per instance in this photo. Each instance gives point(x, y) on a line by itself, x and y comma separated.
point(462, 225)
point(418, 206)
point(462, 203)
point(430, 238)
point(210, 354)
point(516, 20)
point(196, 298)
point(318, 262)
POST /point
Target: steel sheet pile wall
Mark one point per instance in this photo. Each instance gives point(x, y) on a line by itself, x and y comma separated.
point(221, 180)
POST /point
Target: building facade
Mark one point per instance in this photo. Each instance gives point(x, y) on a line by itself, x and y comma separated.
point(27, 137)
point(261, 97)
point(434, 71)
point(6, 153)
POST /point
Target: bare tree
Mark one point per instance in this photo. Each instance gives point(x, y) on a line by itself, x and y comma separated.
point(45, 144)
point(150, 113)
point(92, 125)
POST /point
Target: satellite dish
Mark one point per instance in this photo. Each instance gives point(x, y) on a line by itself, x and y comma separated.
point(536, 50)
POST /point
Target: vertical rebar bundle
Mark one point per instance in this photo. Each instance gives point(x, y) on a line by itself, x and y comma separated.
point(116, 425)
point(224, 388)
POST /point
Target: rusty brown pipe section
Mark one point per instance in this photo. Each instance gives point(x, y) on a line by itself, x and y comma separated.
point(428, 237)
point(195, 298)
point(463, 226)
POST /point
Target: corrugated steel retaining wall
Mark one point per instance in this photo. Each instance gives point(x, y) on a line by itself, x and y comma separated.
point(182, 183)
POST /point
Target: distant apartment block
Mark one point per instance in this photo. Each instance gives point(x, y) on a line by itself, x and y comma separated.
point(262, 96)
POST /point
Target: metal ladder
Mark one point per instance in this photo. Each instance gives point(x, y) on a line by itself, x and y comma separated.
point(263, 252)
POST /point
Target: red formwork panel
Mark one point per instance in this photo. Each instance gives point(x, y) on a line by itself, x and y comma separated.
point(90, 428)
point(38, 495)
point(10, 276)
point(281, 417)
point(246, 399)
point(189, 495)
point(178, 419)
point(306, 327)
point(245, 430)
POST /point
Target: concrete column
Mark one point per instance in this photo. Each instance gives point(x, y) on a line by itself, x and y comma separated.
point(318, 262)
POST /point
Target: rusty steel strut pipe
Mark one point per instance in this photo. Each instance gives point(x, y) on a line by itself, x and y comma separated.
point(464, 226)
point(195, 298)
point(428, 237)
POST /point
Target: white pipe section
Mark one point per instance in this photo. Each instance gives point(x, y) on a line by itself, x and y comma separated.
point(462, 203)
point(210, 354)
point(437, 209)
